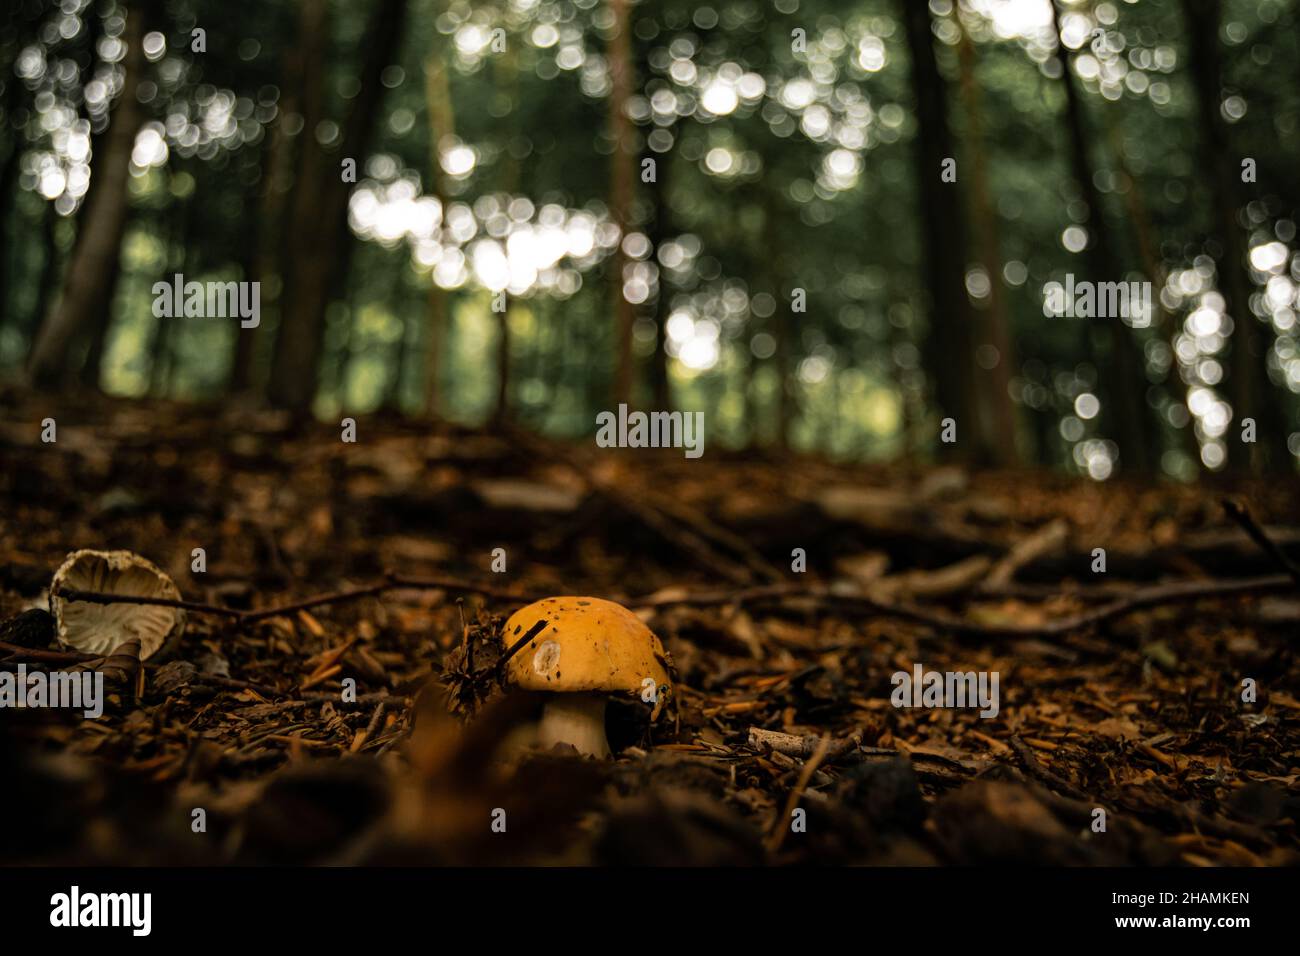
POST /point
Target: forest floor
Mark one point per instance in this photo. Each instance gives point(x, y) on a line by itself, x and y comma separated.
point(1119, 691)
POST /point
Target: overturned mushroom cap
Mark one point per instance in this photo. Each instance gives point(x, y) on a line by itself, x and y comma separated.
point(102, 628)
point(583, 645)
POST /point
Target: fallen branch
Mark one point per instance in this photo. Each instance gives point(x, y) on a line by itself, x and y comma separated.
point(1181, 592)
point(246, 617)
point(1036, 769)
point(1239, 513)
point(780, 826)
point(801, 748)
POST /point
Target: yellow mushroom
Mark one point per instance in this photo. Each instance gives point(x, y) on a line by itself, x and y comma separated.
point(578, 651)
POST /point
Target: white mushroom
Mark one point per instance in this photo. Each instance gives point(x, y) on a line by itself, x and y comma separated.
point(102, 628)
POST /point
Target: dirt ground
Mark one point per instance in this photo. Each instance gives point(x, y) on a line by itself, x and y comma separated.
point(1121, 693)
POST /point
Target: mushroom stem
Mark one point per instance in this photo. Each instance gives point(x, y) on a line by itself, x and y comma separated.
point(577, 720)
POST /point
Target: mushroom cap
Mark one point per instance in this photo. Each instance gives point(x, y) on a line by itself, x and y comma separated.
point(102, 628)
point(585, 645)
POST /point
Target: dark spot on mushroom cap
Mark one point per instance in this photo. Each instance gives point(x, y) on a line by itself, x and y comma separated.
point(518, 628)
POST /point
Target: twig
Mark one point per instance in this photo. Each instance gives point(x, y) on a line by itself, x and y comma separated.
point(1179, 592)
point(780, 827)
point(17, 652)
point(1176, 593)
point(518, 645)
point(95, 597)
point(362, 736)
point(1239, 513)
point(1045, 540)
point(799, 747)
point(681, 526)
point(243, 618)
point(1042, 773)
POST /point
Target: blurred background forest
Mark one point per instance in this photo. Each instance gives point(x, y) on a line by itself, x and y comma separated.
point(502, 147)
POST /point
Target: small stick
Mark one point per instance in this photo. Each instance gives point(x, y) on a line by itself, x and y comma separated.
point(244, 618)
point(779, 829)
point(1042, 773)
point(1240, 513)
point(1178, 592)
point(518, 645)
point(94, 597)
point(360, 739)
point(17, 652)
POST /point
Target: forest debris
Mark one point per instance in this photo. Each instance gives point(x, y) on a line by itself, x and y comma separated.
point(507, 493)
point(941, 582)
point(33, 628)
point(119, 667)
point(803, 658)
point(1240, 513)
point(1042, 773)
point(801, 748)
point(1046, 540)
point(864, 569)
point(781, 825)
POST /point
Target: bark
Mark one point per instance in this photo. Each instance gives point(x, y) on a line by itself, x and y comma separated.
point(781, 322)
point(1143, 237)
point(1249, 389)
point(993, 326)
point(506, 68)
point(103, 317)
point(15, 138)
point(92, 267)
point(622, 174)
point(949, 347)
point(318, 244)
point(1123, 393)
point(442, 123)
point(501, 411)
point(661, 231)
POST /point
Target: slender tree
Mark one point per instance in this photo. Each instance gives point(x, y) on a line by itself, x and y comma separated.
point(1251, 341)
point(950, 345)
point(1121, 373)
point(993, 326)
point(92, 268)
point(318, 243)
point(621, 188)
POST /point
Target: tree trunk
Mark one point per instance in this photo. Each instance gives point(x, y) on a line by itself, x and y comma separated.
point(318, 245)
point(1123, 394)
point(15, 94)
point(781, 322)
point(949, 350)
point(442, 123)
point(994, 384)
point(501, 412)
point(622, 172)
point(1249, 382)
point(661, 231)
point(92, 267)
